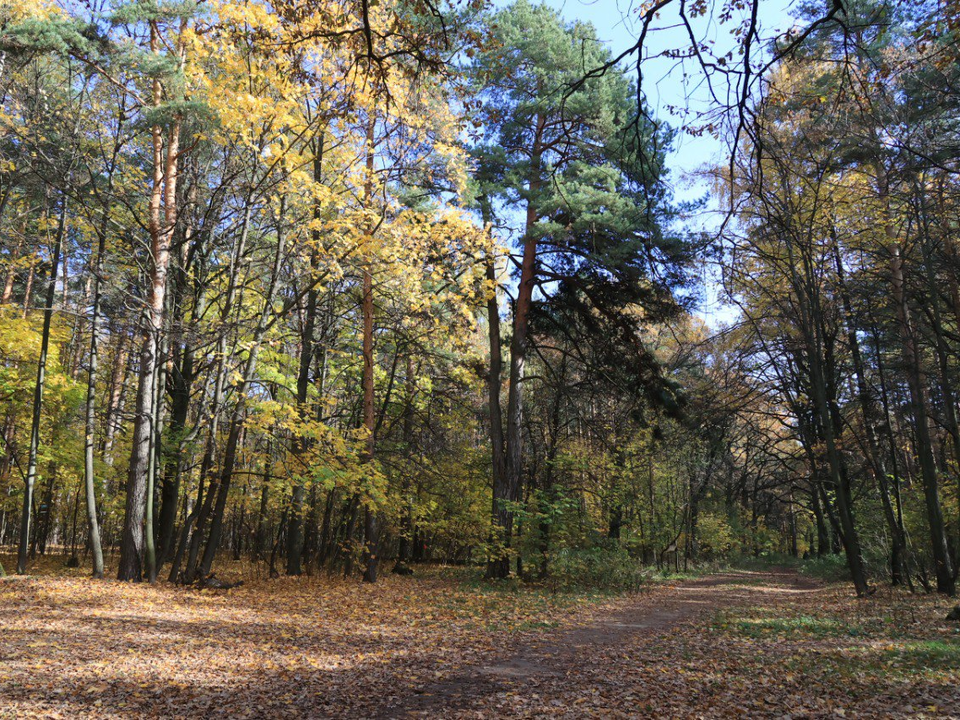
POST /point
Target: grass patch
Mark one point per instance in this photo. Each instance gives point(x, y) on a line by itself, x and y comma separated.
point(924, 654)
point(891, 640)
point(802, 626)
point(787, 624)
point(912, 661)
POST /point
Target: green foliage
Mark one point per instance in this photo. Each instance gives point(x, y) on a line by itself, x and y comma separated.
point(134, 11)
point(715, 536)
point(832, 568)
point(61, 35)
point(605, 566)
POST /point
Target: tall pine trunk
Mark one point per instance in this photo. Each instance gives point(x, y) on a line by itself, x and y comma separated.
point(163, 217)
point(495, 413)
point(508, 492)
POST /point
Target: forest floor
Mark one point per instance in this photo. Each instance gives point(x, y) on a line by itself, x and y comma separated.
point(760, 643)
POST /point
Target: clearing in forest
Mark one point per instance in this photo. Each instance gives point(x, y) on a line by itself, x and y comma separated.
point(771, 643)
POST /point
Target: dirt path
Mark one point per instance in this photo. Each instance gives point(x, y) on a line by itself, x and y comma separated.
point(642, 621)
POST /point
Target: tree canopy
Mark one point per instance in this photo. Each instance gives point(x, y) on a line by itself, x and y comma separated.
point(324, 285)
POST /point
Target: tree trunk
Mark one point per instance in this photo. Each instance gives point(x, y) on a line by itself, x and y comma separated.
point(159, 383)
point(117, 397)
point(181, 386)
point(915, 380)
point(182, 383)
point(407, 518)
point(164, 193)
point(300, 445)
point(11, 272)
point(509, 490)
point(239, 413)
point(494, 379)
point(370, 525)
point(91, 416)
point(819, 360)
point(874, 456)
point(260, 536)
point(371, 530)
point(948, 400)
point(38, 387)
point(28, 288)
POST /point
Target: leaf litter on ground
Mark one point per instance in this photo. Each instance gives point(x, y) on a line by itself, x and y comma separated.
point(747, 643)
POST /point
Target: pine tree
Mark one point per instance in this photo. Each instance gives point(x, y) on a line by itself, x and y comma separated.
point(573, 154)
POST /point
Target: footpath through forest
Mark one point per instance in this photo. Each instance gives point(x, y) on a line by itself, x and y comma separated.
point(772, 643)
point(589, 666)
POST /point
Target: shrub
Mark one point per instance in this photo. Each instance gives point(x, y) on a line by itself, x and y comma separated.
point(600, 567)
point(715, 535)
point(832, 568)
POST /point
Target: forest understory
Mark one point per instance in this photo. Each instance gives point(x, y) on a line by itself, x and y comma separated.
point(758, 643)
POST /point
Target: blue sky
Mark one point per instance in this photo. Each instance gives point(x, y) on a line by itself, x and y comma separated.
point(664, 83)
point(667, 83)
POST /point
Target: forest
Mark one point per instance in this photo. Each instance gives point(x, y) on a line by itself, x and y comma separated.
point(397, 310)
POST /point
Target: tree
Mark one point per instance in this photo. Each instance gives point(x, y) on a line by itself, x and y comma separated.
point(585, 169)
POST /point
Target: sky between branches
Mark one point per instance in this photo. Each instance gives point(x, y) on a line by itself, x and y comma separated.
point(664, 85)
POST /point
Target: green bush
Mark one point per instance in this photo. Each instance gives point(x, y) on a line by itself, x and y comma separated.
point(832, 568)
point(601, 568)
point(715, 535)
